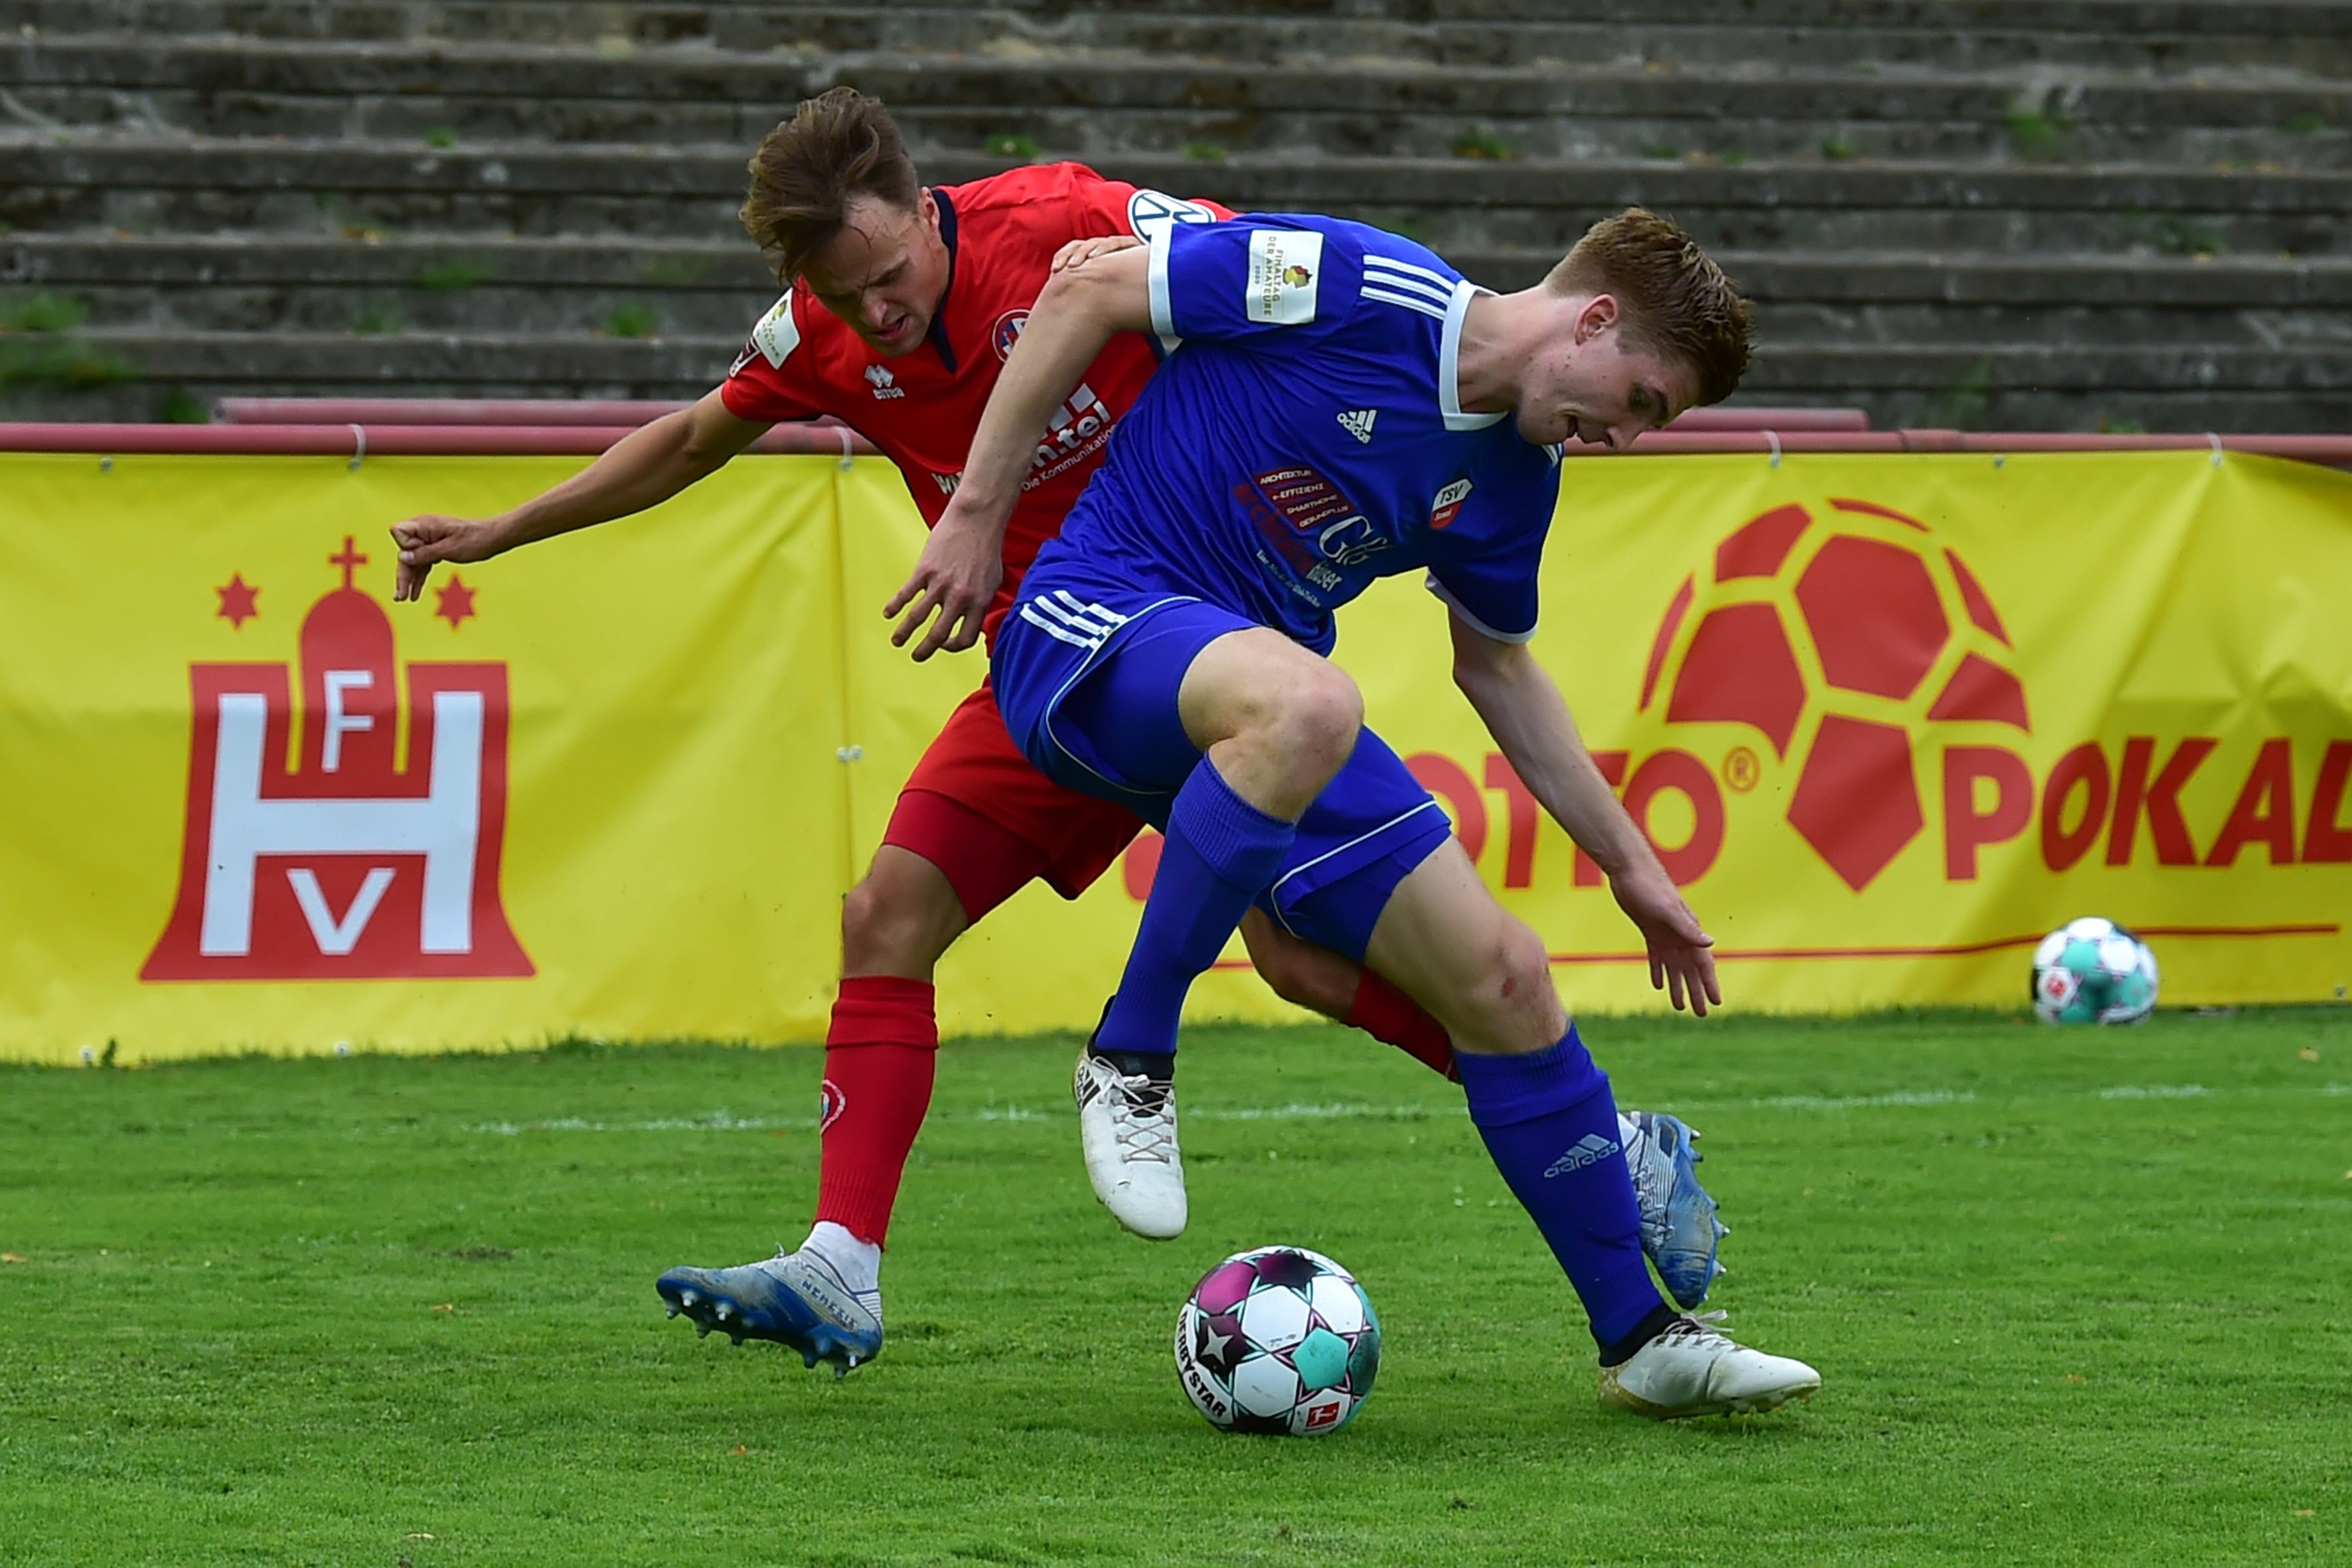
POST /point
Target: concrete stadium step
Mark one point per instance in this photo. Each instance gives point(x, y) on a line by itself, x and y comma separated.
point(2034, 212)
point(148, 185)
point(680, 363)
point(688, 365)
point(1972, 404)
point(1089, 108)
point(730, 267)
point(258, 285)
point(2141, 35)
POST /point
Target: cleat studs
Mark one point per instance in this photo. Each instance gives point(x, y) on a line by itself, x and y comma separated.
point(671, 1313)
point(688, 1298)
point(723, 1310)
point(808, 1358)
point(737, 1338)
point(702, 1331)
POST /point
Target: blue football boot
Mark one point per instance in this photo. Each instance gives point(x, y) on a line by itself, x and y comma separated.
point(1679, 1230)
point(794, 1298)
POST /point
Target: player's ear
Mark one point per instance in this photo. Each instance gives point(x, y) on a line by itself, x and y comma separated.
point(1596, 316)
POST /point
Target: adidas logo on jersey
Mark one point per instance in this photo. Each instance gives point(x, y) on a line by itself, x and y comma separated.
point(885, 384)
point(1358, 422)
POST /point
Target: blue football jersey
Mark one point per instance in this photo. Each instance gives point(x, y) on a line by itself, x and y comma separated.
point(1307, 437)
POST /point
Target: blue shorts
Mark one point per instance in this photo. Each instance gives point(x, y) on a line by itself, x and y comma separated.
point(1086, 676)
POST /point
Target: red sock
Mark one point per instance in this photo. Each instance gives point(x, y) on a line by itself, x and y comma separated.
point(1385, 1013)
point(879, 1060)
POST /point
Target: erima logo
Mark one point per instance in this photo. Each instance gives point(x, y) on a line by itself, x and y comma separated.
point(1358, 422)
point(1590, 1150)
point(885, 384)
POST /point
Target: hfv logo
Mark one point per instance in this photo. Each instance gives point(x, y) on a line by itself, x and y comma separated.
point(344, 865)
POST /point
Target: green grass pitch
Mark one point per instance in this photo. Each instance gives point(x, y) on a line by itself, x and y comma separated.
point(2077, 1296)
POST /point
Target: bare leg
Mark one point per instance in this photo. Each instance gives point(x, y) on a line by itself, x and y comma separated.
point(1484, 974)
point(900, 919)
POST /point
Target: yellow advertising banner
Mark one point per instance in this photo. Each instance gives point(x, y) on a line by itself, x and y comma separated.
point(1888, 718)
point(588, 788)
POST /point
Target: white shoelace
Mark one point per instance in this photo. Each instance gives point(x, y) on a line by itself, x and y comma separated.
point(1142, 1134)
point(1703, 1329)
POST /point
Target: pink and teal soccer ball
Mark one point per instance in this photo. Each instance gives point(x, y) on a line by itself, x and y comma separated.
point(1279, 1340)
point(2093, 971)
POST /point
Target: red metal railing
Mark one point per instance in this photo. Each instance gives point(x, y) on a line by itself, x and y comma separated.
point(536, 411)
point(358, 441)
point(357, 429)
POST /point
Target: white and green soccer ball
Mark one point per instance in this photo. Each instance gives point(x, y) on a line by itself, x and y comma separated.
point(2093, 971)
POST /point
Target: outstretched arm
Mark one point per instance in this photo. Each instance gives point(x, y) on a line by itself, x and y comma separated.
point(1525, 712)
point(1102, 291)
point(642, 469)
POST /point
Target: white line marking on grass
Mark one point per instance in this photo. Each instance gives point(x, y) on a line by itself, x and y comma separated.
point(716, 1122)
point(1853, 1101)
point(1240, 1112)
point(1315, 1113)
point(725, 1121)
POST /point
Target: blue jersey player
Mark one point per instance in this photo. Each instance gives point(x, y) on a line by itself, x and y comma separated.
point(1345, 406)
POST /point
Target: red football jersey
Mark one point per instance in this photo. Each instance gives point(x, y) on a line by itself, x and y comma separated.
point(922, 409)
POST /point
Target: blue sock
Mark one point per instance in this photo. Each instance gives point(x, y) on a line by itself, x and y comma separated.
point(1220, 854)
point(1550, 1123)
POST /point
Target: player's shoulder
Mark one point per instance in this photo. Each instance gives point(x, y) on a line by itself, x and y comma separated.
point(1346, 237)
point(1011, 190)
point(774, 338)
point(1365, 274)
point(800, 345)
point(1072, 195)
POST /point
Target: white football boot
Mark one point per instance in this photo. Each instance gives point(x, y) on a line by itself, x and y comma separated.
point(1128, 1124)
point(1693, 1368)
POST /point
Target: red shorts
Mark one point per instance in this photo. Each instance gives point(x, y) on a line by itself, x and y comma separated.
point(977, 810)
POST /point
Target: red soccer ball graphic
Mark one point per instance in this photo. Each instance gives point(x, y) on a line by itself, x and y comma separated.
point(1837, 634)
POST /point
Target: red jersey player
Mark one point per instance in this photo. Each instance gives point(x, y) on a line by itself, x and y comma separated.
point(903, 303)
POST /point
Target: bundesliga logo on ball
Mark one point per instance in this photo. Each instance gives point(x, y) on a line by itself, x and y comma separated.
point(1280, 1341)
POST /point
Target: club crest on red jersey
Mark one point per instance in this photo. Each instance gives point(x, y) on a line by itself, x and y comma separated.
point(1007, 331)
point(345, 864)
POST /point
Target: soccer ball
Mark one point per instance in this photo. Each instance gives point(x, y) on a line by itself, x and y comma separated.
point(2093, 971)
point(1279, 1340)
